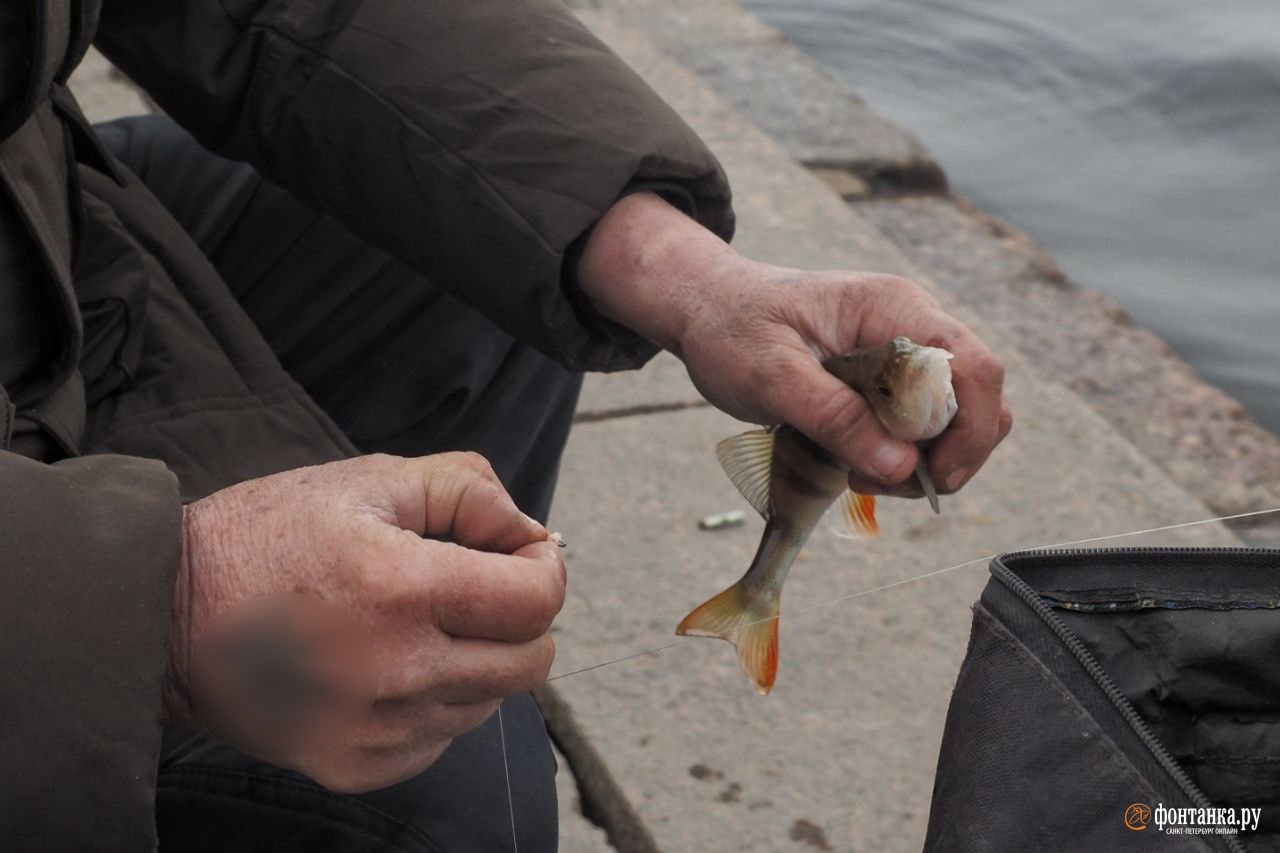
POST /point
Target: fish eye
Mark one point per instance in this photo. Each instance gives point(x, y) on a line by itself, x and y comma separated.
point(885, 390)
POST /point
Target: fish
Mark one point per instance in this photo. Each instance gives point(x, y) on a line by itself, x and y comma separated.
point(793, 482)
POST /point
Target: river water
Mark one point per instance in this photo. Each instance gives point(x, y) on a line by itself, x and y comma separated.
point(1138, 141)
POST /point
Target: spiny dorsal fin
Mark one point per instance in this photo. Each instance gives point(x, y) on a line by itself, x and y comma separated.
point(853, 516)
point(748, 460)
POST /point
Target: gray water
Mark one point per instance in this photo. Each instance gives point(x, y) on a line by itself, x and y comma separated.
point(1139, 141)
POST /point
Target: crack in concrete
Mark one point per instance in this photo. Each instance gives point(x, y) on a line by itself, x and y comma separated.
point(603, 802)
point(641, 409)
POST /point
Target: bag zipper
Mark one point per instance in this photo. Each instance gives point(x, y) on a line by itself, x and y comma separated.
point(1096, 672)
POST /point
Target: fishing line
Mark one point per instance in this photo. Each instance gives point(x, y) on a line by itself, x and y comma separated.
point(655, 650)
point(652, 651)
point(989, 557)
point(506, 770)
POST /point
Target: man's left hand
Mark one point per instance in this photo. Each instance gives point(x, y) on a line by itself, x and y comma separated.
point(753, 337)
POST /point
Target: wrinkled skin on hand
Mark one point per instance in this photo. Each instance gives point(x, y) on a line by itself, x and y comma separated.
point(762, 363)
point(753, 337)
point(454, 626)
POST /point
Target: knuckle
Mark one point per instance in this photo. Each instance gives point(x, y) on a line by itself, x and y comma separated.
point(468, 718)
point(1006, 422)
point(402, 724)
point(462, 718)
point(988, 369)
point(463, 462)
point(379, 462)
point(476, 463)
point(900, 287)
point(889, 281)
point(430, 754)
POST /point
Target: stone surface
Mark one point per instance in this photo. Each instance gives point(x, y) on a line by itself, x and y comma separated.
point(1200, 435)
point(848, 740)
point(843, 183)
point(777, 86)
point(103, 92)
point(576, 835)
point(663, 382)
point(843, 752)
point(1203, 438)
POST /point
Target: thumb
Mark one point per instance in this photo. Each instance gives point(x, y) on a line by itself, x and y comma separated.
point(835, 416)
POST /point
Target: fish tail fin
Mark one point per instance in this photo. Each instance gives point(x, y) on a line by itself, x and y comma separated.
point(749, 621)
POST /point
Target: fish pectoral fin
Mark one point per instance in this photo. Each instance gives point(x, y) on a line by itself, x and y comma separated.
point(748, 460)
point(853, 516)
point(748, 621)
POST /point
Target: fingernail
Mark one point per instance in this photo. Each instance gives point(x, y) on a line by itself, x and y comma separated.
point(957, 478)
point(888, 457)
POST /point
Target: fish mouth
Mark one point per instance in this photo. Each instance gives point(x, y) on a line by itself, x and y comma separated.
point(923, 400)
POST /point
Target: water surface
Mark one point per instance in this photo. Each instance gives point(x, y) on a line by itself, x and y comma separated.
point(1138, 141)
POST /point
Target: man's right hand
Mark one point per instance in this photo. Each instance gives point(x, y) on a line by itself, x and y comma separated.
point(455, 626)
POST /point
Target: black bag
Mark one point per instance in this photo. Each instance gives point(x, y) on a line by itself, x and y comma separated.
point(1103, 689)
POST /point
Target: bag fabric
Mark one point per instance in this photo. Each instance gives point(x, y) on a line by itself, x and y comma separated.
point(1103, 688)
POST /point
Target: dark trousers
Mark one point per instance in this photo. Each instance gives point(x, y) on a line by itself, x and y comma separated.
point(402, 367)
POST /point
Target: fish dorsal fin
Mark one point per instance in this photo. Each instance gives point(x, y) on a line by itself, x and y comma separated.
point(748, 460)
point(853, 516)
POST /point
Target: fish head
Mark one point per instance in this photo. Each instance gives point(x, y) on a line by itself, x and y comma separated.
point(907, 385)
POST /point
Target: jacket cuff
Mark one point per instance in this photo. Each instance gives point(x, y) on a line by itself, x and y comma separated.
point(91, 548)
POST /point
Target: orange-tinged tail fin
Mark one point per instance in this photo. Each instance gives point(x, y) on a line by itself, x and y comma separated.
point(748, 621)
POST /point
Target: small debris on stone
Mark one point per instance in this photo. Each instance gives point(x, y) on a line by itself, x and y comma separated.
point(722, 520)
point(810, 833)
point(731, 794)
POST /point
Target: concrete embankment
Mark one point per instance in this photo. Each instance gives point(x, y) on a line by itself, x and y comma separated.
point(1201, 437)
point(673, 750)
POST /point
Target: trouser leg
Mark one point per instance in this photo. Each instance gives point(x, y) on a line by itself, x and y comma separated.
point(403, 367)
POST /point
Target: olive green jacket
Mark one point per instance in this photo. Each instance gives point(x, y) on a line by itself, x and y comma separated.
point(476, 141)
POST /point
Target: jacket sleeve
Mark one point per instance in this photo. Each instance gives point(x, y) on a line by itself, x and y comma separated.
point(89, 550)
point(474, 140)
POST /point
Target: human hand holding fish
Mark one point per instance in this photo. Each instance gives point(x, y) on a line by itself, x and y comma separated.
point(828, 356)
point(754, 338)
